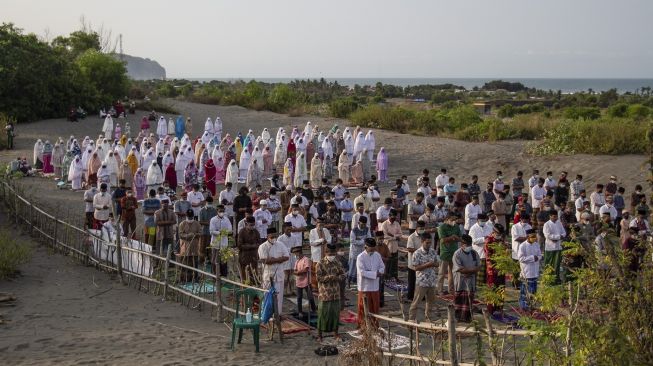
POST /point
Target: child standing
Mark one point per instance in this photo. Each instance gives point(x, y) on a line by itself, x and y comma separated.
point(302, 272)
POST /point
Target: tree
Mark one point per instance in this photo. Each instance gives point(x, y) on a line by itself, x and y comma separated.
point(78, 42)
point(105, 74)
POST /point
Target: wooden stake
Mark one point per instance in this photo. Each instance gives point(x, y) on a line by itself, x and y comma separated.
point(490, 337)
point(453, 359)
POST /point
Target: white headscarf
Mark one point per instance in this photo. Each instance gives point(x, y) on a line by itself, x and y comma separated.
point(154, 175)
point(232, 173)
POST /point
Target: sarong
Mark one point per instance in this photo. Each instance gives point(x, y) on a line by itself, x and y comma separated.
point(328, 316)
point(462, 302)
point(373, 306)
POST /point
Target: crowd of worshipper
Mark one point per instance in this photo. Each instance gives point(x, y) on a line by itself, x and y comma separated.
point(351, 235)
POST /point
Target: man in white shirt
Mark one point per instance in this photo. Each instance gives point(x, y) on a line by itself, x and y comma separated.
point(441, 180)
point(370, 270)
point(553, 235)
point(530, 257)
point(550, 182)
point(298, 224)
point(88, 205)
point(580, 204)
point(360, 211)
point(220, 229)
point(518, 233)
point(609, 208)
point(597, 199)
point(479, 231)
point(415, 210)
point(338, 192)
point(538, 192)
point(263, 219)
point(228, 195)
point(412, 244)
point(532, 181)
point(300, 200)
point(102, 205)
point(383, 212)
point(273, 256)
point(196, 199)
point(288, 241)
point(472, 210)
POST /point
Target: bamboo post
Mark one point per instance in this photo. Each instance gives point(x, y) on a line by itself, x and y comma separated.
point(571, 315)
point(31, 218)
point(119, 249)
point(451, 323)
point(490, 337)
point(54, 236)
point(218, 290)
point(277, 314)
point(165, 269)
point(16, 205)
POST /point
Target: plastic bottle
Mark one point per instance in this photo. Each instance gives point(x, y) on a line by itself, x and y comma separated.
point(248, 316)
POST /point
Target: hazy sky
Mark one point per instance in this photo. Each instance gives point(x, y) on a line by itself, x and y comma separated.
point(336, 38)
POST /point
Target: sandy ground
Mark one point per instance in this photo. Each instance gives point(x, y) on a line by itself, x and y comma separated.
point(63, 317)
point(68, 314)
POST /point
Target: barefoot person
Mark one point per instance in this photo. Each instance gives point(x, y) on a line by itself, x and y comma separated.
point(329, 275)
point(466, 265)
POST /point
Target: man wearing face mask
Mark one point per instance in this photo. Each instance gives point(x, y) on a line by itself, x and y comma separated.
point(518, 234)
point(102, 205)
point(497, 185)
point(257, 196)
point(415, 210)
point(412, 243)
point(550, 182)
point(274, 206)
point(241, 203)
point(360, 211)
point(365, 200)
point(338, 191)
point(466, 265)
point(190, 252)
point(129, 204)
point(425, 262)
point(263, 219)
point(383, 212)
point(289, 242)
point(220, 228)
point(391, 235)
point(164, 220)
point(357, 237)
point(370, 269)
point(228, 195)
point(530, 257)
point(480, 231)
point(274, 256)
point(206, 214)
point(247, 243)
point(554, 233)
point(301, 201)
point(449, 234)
point(472, 210)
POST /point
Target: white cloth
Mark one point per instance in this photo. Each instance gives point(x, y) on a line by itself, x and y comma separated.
point(229, 196)
point(597, 200)
point(478, 234)
point(530, 268)
point(579, 203)
point(195, 199)
point(266, 251)
point(297, 222)
point(441, 181)
point(367, 267)
point(317, 242)
point(518, 230)
point(609, 209)
point(553, 234)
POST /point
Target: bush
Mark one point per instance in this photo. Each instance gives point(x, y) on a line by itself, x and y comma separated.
point(618, 110)
point(4, 120)
point(12, 253)
point(281, 98)
point(582, 113)
point(610, 136)
point(506, 111)
point(387, 118)
point(342, 108)
point(156, 105)
point(638, 111)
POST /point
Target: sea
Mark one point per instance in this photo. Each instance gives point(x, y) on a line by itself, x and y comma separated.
point(569, 85)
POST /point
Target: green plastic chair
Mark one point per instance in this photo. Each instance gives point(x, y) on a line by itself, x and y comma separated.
point(240, 323)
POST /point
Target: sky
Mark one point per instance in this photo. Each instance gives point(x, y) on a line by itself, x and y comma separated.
point(365, 39)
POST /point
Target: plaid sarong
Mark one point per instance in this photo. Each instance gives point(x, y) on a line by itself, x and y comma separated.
point(462, 302)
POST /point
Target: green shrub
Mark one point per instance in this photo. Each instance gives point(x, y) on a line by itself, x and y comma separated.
point(281, 98)
point(618, 110)
point(157, 105)
point(342, 108)
point(387, 118)
point(506, 110)
point(638, 111)
point(582, 113)
point(12, 253)
point(604, 136)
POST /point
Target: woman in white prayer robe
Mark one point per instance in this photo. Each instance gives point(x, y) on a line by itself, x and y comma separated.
point(208, 127)
point(232, 175)
point(167, 160)
point(343, 167)
point(265, 135)
point(359, 144)
point(254, 175)
point(370, 145)
point(112, 166)
point(349, 148)
point(258, 156)
point(154, 176)
point(216, 154)
point(301, 173)
point(217, 129)
point(180, 166)
point(148, 158)
point(162, 127)
point(159, 148)
point(75, 173)
point(206, 138)
point(107, 127)
point(103, 176)
point(245, 160)
point(316, 171)
point(327, 147)
point(308, 129)
point(171, 126)
point(279, 155)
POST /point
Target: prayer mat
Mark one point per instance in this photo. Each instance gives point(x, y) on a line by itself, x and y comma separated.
point(450, 297)
point(548, 317)
point(396, 285)
point(199, 288)
point(396, 341)
point(290, 326)
point(304, 318)
point(505, 318)
point(348, 317)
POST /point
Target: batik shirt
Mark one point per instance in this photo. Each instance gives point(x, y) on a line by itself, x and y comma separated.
point(329, 275)
point(425, 277)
